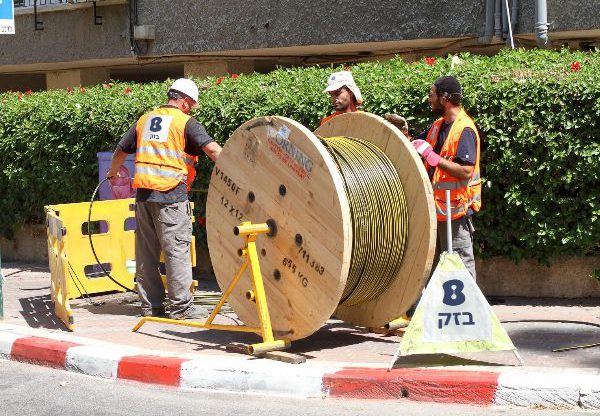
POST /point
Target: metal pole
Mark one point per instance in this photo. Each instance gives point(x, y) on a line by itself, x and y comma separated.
point(448, 221)
point(510, 31)
point(1, 296)
point(541, 24)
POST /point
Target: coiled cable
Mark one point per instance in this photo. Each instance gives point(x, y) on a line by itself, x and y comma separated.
point(379, 214)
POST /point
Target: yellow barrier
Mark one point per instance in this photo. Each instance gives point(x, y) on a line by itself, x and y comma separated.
point(73, 268)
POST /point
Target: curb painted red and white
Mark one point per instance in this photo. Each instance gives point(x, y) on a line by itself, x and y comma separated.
point(514, 387)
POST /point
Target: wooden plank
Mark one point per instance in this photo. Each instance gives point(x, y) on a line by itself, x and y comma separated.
point(237, 347)
point(286, 357)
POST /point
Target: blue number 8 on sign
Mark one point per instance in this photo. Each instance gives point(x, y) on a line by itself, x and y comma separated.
point(453, 295)
point(155, 124)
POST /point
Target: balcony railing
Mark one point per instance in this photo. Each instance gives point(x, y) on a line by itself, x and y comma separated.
point(29, 3)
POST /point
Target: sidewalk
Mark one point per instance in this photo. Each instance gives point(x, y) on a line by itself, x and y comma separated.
point(342, 361)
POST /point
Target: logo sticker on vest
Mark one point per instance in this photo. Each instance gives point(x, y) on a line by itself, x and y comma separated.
point(156, 128)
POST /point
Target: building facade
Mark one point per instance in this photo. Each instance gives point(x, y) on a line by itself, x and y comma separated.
point(67, 43)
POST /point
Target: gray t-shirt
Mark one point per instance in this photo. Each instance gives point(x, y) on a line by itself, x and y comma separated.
point(196, 138)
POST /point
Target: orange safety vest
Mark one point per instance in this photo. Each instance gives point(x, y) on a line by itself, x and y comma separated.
point(334, 115)
point(161, 162)
point(331, 116)
point(464, 194)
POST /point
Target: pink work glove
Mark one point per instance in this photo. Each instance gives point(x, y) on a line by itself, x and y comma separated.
point(426, 151)
point(121, 184)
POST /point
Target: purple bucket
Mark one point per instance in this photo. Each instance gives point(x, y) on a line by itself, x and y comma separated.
point(119, 188)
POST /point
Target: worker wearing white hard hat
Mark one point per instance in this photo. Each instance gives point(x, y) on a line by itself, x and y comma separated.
point(187, 87)
point(345, 94)
point(166, 142)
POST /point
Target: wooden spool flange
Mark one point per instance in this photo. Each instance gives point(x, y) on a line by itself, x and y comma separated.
point(274, 170)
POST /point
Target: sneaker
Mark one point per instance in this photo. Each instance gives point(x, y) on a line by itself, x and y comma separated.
point(156, 312)
point(193, 312)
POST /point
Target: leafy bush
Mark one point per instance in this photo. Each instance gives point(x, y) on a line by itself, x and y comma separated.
point(537, 111)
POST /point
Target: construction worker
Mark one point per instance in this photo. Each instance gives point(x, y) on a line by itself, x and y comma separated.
point(450, 148)
point(167, 142)
point(344, 93)
point(399, 122)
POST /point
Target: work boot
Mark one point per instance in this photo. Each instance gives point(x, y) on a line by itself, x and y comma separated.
point(156, 312)
point(193, 313)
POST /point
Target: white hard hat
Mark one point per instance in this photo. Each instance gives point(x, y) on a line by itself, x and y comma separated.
point(341, 79)
point(187, 87)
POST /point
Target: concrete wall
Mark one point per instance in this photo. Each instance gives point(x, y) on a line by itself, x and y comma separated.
point(29, 245)
point(568, 277)
point(192, 27)
point(68, 35)
point(23, 82)
point(221, 25)
point(564, 15)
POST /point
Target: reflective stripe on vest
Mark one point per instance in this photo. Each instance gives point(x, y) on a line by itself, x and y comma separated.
point(453, 211)
point(161, 152)
point(457, 185)
point(161, 161)
point(189, 160)
point(164, 173)
point(476, 198)
point(450, 185)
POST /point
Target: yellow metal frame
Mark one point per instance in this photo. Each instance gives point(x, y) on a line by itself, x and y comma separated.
point(250, 232)
point(69, 251)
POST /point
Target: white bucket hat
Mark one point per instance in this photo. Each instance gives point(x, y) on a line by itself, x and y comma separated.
point(341, 79)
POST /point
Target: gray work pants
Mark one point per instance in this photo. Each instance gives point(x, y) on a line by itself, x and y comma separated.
point(462, 241)
point(166, 227)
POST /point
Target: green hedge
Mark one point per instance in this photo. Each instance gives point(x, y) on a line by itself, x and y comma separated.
point(538, 113)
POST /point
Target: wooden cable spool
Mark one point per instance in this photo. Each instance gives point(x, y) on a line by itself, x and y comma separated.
point(275, 170)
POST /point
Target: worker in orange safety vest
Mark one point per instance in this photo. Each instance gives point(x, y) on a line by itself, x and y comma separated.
point(345, 94)
point(167, 142)
point(450, 148)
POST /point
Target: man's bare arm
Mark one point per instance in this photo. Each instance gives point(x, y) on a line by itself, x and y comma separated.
point(212, 150)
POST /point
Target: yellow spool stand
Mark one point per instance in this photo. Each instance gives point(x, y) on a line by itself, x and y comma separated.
point(250, 232)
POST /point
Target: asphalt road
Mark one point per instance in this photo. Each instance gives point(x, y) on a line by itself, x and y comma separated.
point(32, 390)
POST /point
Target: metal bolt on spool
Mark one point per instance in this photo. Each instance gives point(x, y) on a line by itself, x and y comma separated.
point(352, 217)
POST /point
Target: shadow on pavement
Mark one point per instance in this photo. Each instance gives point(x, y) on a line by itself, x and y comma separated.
point(102, 308)
point(440, 360)
point(21, 269)
point(38, 312)
point(333, 335)
point(211, 342)
point(116, 303)
point(546, 335)
point(336, 335)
